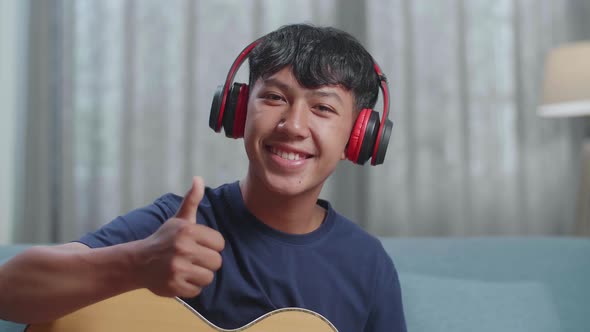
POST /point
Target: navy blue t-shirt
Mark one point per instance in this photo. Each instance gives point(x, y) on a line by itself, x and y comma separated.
point(339, 270)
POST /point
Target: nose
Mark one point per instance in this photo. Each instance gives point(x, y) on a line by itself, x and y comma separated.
point(294, 121)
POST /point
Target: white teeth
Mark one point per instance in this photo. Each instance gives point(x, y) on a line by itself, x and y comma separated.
point(286, 155)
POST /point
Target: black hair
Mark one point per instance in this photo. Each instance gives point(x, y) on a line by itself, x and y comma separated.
point(318, 56)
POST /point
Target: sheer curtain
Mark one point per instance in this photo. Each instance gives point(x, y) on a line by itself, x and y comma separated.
point(12, 14)
point(470, 156)
point(119, 92)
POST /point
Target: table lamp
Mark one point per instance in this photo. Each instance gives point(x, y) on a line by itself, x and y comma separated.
point(566, 93)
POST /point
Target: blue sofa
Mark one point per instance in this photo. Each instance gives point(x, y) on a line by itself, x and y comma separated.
point(483, 284)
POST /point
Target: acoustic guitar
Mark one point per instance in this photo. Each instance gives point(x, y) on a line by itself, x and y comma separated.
point(141, 310)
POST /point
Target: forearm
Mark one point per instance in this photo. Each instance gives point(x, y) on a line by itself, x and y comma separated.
point(44, 283)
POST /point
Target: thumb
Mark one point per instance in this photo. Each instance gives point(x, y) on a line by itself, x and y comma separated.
point(190, 203)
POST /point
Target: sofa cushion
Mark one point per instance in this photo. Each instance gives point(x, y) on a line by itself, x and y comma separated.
point(11, 327)
point(560, 264)
point(447, 304)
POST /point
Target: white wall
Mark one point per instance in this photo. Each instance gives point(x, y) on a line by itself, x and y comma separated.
point(10, 17)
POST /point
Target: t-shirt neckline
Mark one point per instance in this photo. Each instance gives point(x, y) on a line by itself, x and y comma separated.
point(236, 201)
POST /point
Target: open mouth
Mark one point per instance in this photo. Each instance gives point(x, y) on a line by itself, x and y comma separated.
point(288, 155)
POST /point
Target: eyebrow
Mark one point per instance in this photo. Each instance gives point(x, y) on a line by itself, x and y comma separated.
point(275, 82)
point(316, 93)
point(324, 93)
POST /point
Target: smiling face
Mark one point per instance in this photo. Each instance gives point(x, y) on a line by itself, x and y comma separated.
point(294, 136)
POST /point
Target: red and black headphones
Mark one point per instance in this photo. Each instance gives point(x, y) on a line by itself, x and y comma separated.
point(368, 139)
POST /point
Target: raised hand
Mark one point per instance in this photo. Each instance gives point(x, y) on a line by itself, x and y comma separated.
point(182, 256)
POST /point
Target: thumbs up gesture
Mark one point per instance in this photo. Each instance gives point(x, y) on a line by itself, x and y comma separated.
point(182, 256)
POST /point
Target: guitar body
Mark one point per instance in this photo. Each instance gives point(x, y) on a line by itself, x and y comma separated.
point(141, 310)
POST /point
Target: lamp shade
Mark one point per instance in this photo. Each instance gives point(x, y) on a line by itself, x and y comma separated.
point(566, 87)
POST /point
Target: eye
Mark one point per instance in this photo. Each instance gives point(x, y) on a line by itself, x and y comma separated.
point(325, 109)
point(273, 96)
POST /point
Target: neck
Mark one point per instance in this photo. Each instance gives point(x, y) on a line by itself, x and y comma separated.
point(287, 213)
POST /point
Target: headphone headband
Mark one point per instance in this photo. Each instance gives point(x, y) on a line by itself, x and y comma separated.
point(368, 139)
point(230, 77)
point(385, 92)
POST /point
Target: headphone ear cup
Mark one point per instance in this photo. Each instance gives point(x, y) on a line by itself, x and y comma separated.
point(241, 112)
point(370, 137)
point(362, 136)
point(381, 148)
point(216, 108)
point(356, 135)
point(230, 109)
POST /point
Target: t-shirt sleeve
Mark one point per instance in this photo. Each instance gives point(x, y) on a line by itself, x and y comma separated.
point(135, 225)
point(387, 314)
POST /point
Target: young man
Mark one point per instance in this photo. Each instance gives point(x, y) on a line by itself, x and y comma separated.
point(266, 242)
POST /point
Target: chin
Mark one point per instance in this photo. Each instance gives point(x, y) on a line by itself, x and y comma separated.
point(284, 186)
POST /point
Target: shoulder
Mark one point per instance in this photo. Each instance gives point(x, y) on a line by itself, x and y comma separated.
point(353, 234)
point(359, 244)
point(384, 299)
point(170, 203)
